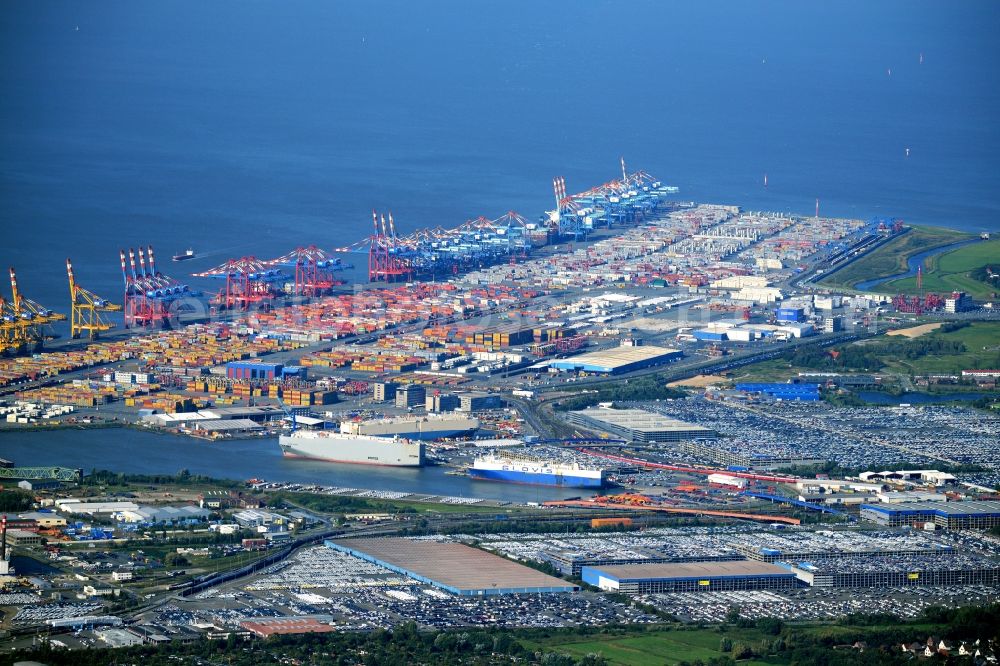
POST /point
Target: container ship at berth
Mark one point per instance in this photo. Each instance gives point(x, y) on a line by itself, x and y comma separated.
point(332, 446)
point(520, 469)
point(425, 428)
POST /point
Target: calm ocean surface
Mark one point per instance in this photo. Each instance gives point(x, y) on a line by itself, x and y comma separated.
point(243, 128)
point(252, 127)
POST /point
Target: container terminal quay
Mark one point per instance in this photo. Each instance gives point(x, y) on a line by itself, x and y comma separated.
point(599, 350)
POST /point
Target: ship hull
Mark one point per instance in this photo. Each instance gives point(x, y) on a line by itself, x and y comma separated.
point(423, 436)
point(298, 456)
point(425, 429)
point(353, 450)
point(536, 478)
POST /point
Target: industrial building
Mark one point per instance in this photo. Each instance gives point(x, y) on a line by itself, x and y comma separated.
point(75, 506)
point(254, 370)
point(732, 454)
point(453, 567)
point(163, 515)
point(226, 427)
point(266, 627)
point(780, 391)
point(44, 519)
point(959, 301)
point(910, 476)
point(690, 577)
point(950, 515)
point(830, 544)
point(442, 402)
point(384, 391)
point(638, 425)
point(618, 360)
point(23, 538)
point(573, 563)
point(411, 395)
point(899, 571)
point(475, 401)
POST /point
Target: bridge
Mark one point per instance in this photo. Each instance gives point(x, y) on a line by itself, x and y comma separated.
point(51, 473)
point(799, 503)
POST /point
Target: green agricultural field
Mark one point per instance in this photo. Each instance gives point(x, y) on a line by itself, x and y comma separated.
point(952, 271)
point(890, 259)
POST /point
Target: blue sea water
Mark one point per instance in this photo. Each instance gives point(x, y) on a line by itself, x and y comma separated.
point(252, 127)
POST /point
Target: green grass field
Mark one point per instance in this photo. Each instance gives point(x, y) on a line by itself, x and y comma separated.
point(950, 272)
point(665, 646)
point(890, 259)
point(982, 343)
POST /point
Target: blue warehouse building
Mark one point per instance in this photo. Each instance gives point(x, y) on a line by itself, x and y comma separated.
point(690, 577)
point(779, 391)
point(790, 314)
point(618, 360)
point(952, 515)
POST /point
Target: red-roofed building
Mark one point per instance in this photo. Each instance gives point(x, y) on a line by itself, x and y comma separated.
point(270, 626)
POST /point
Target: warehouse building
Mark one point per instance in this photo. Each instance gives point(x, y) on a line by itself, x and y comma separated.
point(573, 563)
point(226, 427)
point(690, 577)
point(836, 544)
point(163, 515)
point(638, 425)
point(23, 538)
point(253, 370)
point(475, 401)
point(899, 571)
point(782, 391)
point(950, 515)
point(617, 360)
point(453, 567)
point(265, 627)
point(910, 477)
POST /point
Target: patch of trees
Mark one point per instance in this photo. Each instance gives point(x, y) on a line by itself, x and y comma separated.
point(988, 274)
point(15, 500)
point(647, 387)
point(105, 477)
point(871, 357)
point(336, 504)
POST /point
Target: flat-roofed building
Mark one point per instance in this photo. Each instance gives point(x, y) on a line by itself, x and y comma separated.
point(618, 360)
point(454, 567)
point(690, 577)
point(900, 571)
point(638, 425)
point(23, 538)
point(411, 395)
point(270, 626)
point(951, 515)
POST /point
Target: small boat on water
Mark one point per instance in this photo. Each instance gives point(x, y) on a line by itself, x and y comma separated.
point(185, 255)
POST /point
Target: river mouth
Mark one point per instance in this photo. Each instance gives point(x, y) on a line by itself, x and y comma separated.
point(912, 265)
